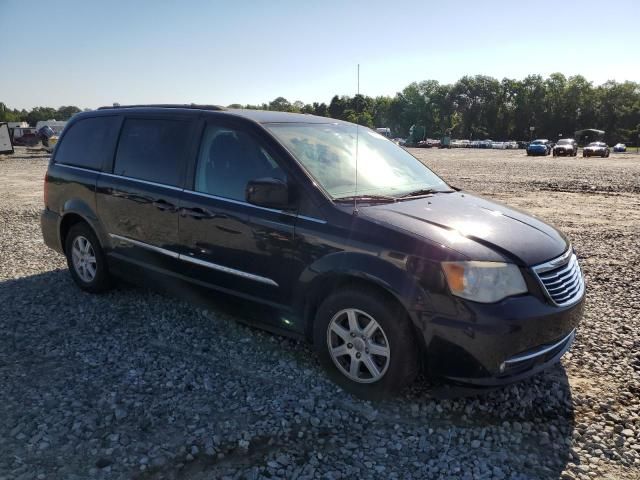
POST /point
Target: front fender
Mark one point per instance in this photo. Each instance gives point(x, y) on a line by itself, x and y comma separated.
point(393, 274)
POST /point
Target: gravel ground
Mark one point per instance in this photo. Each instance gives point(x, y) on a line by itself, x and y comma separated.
point(138, 384)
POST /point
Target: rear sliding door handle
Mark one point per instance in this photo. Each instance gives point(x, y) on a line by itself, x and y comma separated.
point(164, 205)
point(196, 213)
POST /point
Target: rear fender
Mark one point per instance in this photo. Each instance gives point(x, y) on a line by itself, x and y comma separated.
point(78, 207)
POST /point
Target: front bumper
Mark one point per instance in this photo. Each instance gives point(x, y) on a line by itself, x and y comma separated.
point(537, 152)
point(563, 152)
point(497, 344)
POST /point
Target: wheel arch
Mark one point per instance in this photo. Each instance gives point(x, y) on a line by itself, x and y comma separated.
point(68, 221)
point(324, 284)
point(75, 212)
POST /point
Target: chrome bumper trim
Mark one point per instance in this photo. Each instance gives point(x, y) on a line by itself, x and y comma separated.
point(528, 356)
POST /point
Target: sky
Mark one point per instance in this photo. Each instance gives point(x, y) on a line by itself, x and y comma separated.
point(93, 53)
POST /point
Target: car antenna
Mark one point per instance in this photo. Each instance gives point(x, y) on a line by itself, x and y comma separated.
point(355, 194)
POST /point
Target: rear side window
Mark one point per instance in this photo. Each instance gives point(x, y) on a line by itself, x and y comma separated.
point(88, 143)
point(152, 150)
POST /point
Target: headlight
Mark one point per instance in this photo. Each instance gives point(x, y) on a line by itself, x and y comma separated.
point(484, 282)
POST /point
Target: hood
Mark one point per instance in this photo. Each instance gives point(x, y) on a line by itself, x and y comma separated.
point(537, 145)
point(474, 227)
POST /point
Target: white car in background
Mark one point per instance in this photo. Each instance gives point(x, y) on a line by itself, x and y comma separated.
point(596, 149)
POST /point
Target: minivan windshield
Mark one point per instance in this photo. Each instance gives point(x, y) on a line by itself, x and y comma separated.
point(328, 152)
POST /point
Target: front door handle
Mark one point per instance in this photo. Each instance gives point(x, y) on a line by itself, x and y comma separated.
point(196, 213)
point(164, 205)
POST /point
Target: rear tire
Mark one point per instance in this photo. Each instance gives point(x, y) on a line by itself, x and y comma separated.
point(86, 259)
point(350, 325)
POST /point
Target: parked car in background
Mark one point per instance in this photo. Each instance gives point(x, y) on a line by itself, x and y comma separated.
point(48, 136)
point(27, 139)
point(460, 144)
point(596, 149)
point(512, 145)
point(429, 143)
point(24, 135)
point(56, 125)
point(619, 147)
point(539, 147)
point(260, 205)
point(566, 147)
point(499, 145)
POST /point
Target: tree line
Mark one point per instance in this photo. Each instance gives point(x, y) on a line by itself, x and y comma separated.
point(36, 114)
point(474, 107)
point(482, 107)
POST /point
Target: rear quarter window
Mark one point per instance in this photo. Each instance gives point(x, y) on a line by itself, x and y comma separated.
point(152, 150)
point(88, 143)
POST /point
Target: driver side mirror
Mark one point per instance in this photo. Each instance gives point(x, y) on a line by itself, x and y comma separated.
point(268, 192)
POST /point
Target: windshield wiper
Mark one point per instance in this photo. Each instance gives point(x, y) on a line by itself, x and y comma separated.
point(423, 192)
point(366, 198)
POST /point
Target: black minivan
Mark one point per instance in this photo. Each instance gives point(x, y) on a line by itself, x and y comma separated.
point(386, 271)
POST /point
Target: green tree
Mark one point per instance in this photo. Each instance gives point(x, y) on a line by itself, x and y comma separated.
point(337, 107)
point(40, 113)
point(66, 112)
point(280, 104)
point(320, 109)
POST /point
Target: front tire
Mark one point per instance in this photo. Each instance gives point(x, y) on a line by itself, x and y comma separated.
point(86, 259)
point(365, 342)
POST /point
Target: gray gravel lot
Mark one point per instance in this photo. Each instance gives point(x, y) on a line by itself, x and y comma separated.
point(138, 384)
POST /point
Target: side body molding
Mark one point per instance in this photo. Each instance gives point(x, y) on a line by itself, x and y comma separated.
point(196, 261)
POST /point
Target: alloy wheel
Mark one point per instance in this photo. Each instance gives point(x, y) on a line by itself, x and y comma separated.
point(358, 346)
point(84, 259)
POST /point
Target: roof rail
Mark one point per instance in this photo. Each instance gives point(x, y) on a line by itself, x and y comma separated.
point(167, 105)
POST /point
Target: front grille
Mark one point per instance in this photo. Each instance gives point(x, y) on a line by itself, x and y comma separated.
point(562, 279)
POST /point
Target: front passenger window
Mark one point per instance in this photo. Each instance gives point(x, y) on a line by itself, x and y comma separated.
point(228, 159)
